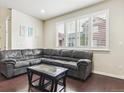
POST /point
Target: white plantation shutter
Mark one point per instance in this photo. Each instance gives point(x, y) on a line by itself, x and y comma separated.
point(88, 32)
point(70, 34)
point(99, 30)
point(83, 30)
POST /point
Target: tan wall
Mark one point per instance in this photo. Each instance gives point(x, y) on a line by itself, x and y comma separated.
point(4, 13)
point(109, 63)
point(19, 19)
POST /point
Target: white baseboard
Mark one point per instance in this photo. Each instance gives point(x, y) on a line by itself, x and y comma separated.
point(109, 74)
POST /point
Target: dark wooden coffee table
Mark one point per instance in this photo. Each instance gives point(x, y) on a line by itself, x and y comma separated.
point(50, 76)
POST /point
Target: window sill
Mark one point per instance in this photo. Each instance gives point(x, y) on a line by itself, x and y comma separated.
point(87, 49)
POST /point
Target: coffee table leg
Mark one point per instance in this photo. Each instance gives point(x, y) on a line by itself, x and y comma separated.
point(40, 80)
point(30, 74)
point(64, 83)
point(55, 85)
point(52, 86)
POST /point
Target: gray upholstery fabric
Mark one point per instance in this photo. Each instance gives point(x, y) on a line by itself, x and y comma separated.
point(56, 52)
point(34, 61)
point(19, 71)
point(65, 58)
point(8, 60)
point(66, 53)
point(9, 54)
point(82, 54)
point(21, 64)
point(46, 56)
point(31, 54)
point(26, 52)
point(84, 61)
point(37, 53)
point(28, 62)
point(52, 52)
point(15, 62)
point(70, 65)
point(47, 52)
point(7, 69)
point(11, 61)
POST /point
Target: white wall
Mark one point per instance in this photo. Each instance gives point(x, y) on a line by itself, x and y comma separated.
point(109, 63)
point(18, 19)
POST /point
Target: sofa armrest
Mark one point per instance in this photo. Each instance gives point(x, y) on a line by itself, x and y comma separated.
point(84, 67)
point(85, 62)
point(8, 61)
point(7, 69)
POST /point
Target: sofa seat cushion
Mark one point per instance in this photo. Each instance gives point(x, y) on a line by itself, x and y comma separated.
point(28, 57)
point(46, 56)
point(65, 58)
point(67, 64)
point(34, 61)
point(21, 64)
point(27, 62)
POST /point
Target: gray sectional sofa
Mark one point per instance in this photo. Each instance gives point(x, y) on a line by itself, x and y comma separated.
point(15, 62)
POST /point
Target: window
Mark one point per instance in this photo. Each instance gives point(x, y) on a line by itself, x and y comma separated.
point(83, 27)
point(70, 34)
point(99, 30)
point(61, 35)
point(89, 31)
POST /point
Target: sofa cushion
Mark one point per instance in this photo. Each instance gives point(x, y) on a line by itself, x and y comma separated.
point(31, 53)
point(51, 61)
point(22, 64)
point(65, 58)
point(47, 51)
point(27, 62)
point(70, 65)
point(28, 57)
point(66, 53)
point(6, 54)
point(34, 61)
point(82, 54)
point(46, 56)
point(27, 52)
point(52, 52)
point(56, 52)
point(37, 53)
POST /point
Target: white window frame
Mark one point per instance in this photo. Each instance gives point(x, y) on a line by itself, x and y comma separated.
point(107, 30)
point(66, 33)
point(77, 46)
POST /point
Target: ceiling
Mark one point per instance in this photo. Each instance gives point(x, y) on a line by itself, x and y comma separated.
point(52, 8)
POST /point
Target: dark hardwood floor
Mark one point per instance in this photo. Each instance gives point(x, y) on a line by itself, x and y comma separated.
point(94, 83)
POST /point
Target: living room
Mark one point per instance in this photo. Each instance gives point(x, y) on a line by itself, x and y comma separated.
point(88, 32)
